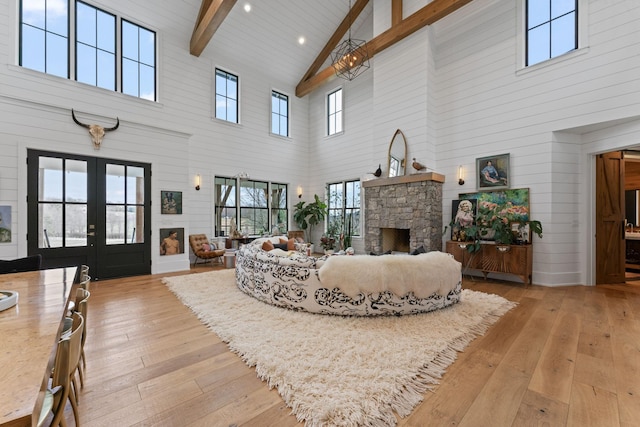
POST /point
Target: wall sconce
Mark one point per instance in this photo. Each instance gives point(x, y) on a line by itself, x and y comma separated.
point(197, 182)
point(460, 175)
point(299, 192)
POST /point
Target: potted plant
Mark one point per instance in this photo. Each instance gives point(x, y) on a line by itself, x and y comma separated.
point(308, 215)
point(327, 243)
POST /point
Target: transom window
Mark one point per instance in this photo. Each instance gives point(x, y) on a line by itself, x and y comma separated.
point(343, 208)
point(226, 96)
point(138, 61)
point(95, 46)
point(334, 112)
point(50, 28)
point(552, 29)
point(279, 114)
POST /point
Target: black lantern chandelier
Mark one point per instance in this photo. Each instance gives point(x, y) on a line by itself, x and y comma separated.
point(351, 58)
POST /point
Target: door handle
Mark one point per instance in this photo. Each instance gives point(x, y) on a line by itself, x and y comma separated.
point(91, 234)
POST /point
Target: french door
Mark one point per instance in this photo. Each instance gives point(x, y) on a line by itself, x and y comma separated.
point(89, 210)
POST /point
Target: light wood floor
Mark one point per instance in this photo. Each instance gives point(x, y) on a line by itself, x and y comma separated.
point(564, 357)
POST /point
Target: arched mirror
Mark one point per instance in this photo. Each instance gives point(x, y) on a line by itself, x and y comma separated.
point(396, 164)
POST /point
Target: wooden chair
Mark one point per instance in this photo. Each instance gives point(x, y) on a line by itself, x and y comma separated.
point(199, 244)
point(66, 363)
point(82, 307)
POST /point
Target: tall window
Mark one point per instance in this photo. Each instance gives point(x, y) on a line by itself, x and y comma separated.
point(138, 61)
point(552, 29)
point(225, 207)
point(254, 213)
point(334, 112)
point(95, 47)
point(260, 206)
point(344, 208)
point(226, 96)
point(279, 211)
point(279, 114)
point(48, 29)
point(44, 36)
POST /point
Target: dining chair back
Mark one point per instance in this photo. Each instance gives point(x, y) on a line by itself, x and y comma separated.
point(19, 265)
point(66, 361)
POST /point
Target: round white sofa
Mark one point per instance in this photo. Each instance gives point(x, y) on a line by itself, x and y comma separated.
point(359, 285)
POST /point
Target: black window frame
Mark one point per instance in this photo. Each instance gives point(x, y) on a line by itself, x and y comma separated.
point(71, 39)
point(549, 22)
point(225, 96)
point(342, 210)
point(338, 112)
point(279, 114)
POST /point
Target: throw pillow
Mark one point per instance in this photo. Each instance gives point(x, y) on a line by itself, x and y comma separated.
point(291, 244)
point(267, 245)
point(282, 246)
point(206, 247)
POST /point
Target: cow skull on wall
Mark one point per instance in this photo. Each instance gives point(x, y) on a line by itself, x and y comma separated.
point(96, 131)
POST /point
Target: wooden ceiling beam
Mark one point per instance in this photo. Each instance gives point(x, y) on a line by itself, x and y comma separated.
point(212, 14)
point(429, 14)
point(335, 38)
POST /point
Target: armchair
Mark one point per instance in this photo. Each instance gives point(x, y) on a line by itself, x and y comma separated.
point(203, 250)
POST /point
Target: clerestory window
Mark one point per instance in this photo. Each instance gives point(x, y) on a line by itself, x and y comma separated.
point(551, 29)
point(81, 42)
point(226, 96)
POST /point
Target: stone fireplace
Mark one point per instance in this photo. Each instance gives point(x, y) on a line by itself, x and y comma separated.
point(403, 213)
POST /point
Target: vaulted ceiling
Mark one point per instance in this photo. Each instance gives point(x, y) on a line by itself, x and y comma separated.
point(270, 32)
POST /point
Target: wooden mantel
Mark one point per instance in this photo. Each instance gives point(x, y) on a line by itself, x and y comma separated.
point(405, 179)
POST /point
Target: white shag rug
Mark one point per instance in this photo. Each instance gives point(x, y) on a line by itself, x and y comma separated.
point(339, 371)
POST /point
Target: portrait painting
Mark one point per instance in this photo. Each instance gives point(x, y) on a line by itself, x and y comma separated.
point(463, 216)
point(171, 241)
point(522, 233)
point(5, 224)
point(492, 172)
point(171, 202)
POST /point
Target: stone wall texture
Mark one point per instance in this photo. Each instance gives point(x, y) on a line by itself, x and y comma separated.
point(416, 206)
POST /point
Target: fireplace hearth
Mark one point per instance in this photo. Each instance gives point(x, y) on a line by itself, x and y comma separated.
point(403, 213)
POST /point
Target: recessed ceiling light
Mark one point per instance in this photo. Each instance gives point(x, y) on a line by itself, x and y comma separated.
point(301, 40)
point(247, 7)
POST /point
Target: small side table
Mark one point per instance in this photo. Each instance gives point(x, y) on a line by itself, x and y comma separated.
point(230, 259)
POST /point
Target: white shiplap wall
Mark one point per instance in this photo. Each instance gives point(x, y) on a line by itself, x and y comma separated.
point(176, 135)
point(457, 89)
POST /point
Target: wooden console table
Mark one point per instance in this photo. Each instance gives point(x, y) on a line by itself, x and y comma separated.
point(30, 332)
point(493, 258)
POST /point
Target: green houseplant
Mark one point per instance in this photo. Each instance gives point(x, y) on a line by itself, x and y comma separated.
point(308, 215)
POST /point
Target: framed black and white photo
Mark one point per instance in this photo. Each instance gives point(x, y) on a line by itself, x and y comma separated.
point(492, 172)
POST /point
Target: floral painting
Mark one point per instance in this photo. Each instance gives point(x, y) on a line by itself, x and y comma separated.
point(5, 224)
point(496, 210)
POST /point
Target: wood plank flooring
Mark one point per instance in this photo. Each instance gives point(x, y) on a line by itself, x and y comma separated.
point(564, 357)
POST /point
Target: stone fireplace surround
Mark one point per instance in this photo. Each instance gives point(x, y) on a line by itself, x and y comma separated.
point(410, 202)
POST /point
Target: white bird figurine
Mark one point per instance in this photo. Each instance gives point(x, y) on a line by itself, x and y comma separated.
point(417, 165)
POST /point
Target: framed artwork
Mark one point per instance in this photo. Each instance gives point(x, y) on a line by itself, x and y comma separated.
point(171, 241)
point(522, 233)
point(501, 205)
point(463, 215)
point(492, 172)
point(171, 202)
point(5, 224)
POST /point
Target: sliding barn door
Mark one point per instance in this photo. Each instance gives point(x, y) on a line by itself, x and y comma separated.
point(610, 211)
